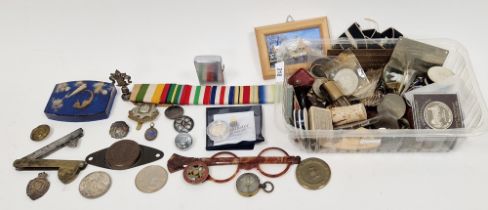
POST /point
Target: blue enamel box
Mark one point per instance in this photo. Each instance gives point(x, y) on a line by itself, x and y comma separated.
point(80, 101)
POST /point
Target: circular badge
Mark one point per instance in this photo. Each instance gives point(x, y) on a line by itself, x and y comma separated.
point(122, 154)
point(347, 81)
point(183, 141)
point(196, 172)
point(183, 124)
point(40, 132)
point(438, 115)
point(313, 173)
point(151, 179)
point(95, 184)
point(174, 112)
point(119, 129)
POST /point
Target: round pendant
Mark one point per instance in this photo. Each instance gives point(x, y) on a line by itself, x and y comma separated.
point(119, 130)
point(151, 133)
point(38, 186)
point(40, 132)
point(95, 184)
point(183, 124)
point(183, 141)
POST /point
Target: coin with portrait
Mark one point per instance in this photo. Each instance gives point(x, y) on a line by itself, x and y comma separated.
point(95, 184)
point(438, 115)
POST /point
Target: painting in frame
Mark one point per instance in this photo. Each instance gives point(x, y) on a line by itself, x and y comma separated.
point(274, 42)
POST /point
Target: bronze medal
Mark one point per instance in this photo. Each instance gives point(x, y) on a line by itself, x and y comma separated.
point(40, 132)
point(38, 186)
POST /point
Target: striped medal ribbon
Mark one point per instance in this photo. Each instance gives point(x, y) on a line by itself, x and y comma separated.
point(202, 95)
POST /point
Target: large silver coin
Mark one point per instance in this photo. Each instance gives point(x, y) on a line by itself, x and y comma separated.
point(393, 104)
point(151, 178)
point(438, 115)
point(95, 184)
point(347, 81)
point(313, 173)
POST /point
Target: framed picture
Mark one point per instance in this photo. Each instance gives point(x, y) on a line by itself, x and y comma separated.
point(298, 35)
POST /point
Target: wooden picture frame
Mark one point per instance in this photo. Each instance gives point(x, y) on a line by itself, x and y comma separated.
point(262, 34)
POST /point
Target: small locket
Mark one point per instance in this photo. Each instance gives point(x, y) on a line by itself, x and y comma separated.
point(38, 186)
point(151, 133)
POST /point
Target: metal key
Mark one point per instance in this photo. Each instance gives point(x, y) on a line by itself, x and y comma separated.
point(67, 169)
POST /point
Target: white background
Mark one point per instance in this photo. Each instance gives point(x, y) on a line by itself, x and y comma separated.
point(46, 42)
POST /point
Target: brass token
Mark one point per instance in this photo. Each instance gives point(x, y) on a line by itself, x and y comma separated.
point(122, 154)
point(95, 184)
point(313, 173)
point(38, 186)
point(40, 132)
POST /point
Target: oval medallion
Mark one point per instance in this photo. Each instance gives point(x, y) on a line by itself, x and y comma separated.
point(38, 186)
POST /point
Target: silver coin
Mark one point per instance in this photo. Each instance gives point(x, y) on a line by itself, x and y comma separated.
point(438, 115)
point(392, 104)
point(174, 112)
point(218, 130)
point(151, 179)
point(95, 184)
point(183, 141)
point(119, 129)
point(439, 73)
point(347, 81)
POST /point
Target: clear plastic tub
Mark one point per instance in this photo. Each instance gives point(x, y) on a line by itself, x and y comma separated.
point(473, 106)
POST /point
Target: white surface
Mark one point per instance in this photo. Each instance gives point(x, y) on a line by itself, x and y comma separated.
point(46, 42)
